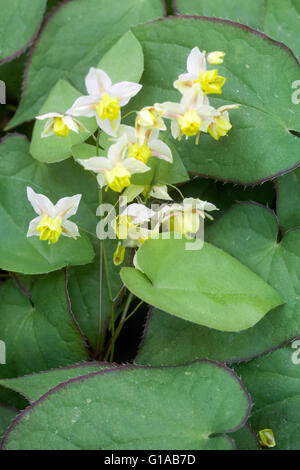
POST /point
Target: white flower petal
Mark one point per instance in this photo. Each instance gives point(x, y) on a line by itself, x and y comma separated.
point(32, 229)
point(48, 128)
point(129, 132)
point(175, 129)
point(67, 206)
point(101, 180)
point(97, 82)
point(160, 192)
point(70, 123)
point(84, 106)
point(48, 115)
point(170, 109)
point(109, 127)
point(96, 164)
point(40, 203)
point(196, 61)
point(124, 91)
point(161, 150)
point(138, 213)
point(69, 229)
point(116, 151)
point(135, 166)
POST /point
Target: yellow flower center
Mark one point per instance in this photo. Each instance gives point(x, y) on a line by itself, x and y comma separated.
point(187, 222)
point(220, 127)
point(118, 178)
point(60, 128)
point(190, 123)
point(50, 229)
point(108, 108)
point(139, 152)
point(119, 254)
point(211, 82)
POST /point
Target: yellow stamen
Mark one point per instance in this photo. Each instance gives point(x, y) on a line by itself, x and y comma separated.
point(211, 82)
point(119, 254)
point(118, 178)
point(190, 123)
point(220, 127)
point(50, 229)
point(267, 438)
point(139, 152)
point(60, 128)
point(108, 108)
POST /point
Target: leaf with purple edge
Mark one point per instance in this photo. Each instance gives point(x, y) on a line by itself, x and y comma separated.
point(26, 18)
point(279, 19)
point(137, 408)
point(33, 386)
point(39, 331)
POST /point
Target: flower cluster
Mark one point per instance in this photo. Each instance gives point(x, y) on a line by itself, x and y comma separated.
point(194, 114)
point(132, 147)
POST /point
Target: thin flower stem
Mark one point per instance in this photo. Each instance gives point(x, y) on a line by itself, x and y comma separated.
point(99, 339)
point(177, 189)
point(128, 114)
point(134, 310)
point(111, 301)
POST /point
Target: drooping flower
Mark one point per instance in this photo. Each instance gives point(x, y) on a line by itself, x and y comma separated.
point(104, 100)
point(149, 118)
point(197, 73)
point(220, 126)
point(145, 145)
point(52, 220)
point(132, 225)
point(60, 124)
point(115, 170)
point(191, 116)
point(185, 218)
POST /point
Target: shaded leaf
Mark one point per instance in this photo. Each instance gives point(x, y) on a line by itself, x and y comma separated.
point(133, 408)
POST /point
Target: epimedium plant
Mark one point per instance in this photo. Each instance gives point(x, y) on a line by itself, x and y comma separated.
point(103, 216)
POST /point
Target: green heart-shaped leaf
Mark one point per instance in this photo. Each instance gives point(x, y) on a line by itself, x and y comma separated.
point(134, 407)
point(125, 60)
point(248, 232)
point(207, 287)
